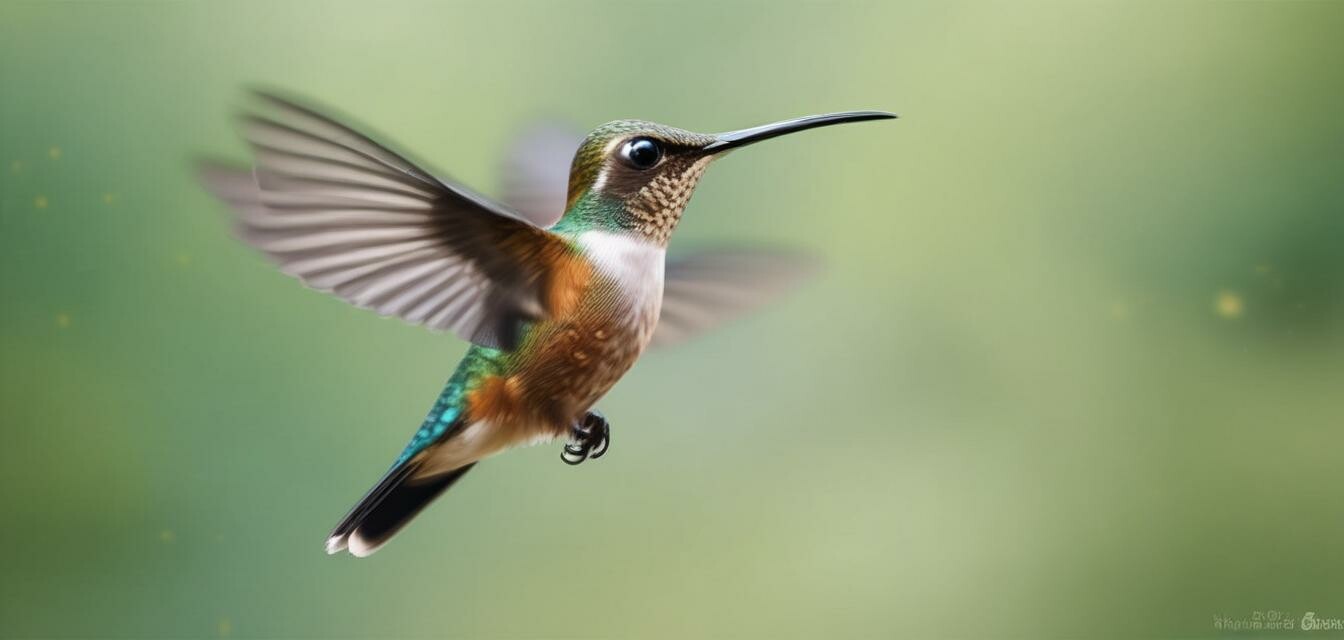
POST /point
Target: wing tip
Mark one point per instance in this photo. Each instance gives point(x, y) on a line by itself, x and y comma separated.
point(270, 94)
point(230, 182)
point(206, 167)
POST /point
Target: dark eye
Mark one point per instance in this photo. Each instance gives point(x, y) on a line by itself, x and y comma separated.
point(641, 153)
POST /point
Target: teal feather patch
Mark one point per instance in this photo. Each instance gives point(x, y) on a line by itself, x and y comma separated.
point(444, 416)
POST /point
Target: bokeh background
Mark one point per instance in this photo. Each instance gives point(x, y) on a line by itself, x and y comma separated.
point(1074, 368)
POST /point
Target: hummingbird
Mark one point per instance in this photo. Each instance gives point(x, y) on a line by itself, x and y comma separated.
point(559, 289)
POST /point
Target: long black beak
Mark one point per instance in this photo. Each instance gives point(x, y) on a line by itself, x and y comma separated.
point(744, 137)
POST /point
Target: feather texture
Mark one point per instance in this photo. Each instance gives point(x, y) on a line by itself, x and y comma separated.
point(347, 215)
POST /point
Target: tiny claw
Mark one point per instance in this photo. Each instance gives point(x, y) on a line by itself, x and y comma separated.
point(590, 438)
point(601, 448)
point(571, 458)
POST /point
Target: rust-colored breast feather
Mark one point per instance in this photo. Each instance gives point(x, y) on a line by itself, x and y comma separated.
point(569, 360)
point(570, 277)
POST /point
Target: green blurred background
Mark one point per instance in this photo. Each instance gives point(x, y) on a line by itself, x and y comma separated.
point(1074, 368)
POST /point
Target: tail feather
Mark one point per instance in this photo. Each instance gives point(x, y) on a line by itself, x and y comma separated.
point(389, 506)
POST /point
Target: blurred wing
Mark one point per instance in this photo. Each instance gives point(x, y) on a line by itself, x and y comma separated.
point(706, 289)
point(347, 215)
point(535, 175)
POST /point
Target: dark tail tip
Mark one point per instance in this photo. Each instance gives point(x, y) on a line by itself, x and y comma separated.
point(387, 508)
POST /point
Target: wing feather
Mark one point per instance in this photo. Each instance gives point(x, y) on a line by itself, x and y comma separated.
point(535, 175)
point(347, 215)
point(704, 290)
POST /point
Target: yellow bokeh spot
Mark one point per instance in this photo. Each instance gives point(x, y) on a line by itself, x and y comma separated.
point(41, 202)
point(167, 536)
point(1229, 304)
point(16, 166)
point(1120, 310)
point(63, 320)
point(54, 153)
point(183, 259)
point(1263, 268)
point(225, 627)
point(109, 198)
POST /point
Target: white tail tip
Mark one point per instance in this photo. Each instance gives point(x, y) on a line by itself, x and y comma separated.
point(359, 547)
point(335, 544)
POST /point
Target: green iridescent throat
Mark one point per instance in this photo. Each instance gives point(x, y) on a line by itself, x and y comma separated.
point(593, 211)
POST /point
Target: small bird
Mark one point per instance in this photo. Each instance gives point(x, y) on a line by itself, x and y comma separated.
point(557, 300)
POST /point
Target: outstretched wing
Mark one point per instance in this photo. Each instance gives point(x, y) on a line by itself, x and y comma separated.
point(347, 215)
point(535, 172)
point(706, 289)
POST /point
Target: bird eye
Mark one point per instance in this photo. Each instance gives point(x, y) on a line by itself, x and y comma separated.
point(641, 153)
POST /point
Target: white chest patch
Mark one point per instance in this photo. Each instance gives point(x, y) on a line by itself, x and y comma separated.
point(634, 263)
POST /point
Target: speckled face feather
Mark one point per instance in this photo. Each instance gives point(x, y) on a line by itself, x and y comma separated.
point(605, 193)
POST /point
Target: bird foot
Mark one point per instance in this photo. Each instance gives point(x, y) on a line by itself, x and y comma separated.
point(588, 439)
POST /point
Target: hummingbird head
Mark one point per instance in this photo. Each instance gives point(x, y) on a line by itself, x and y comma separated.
point(638, 176)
